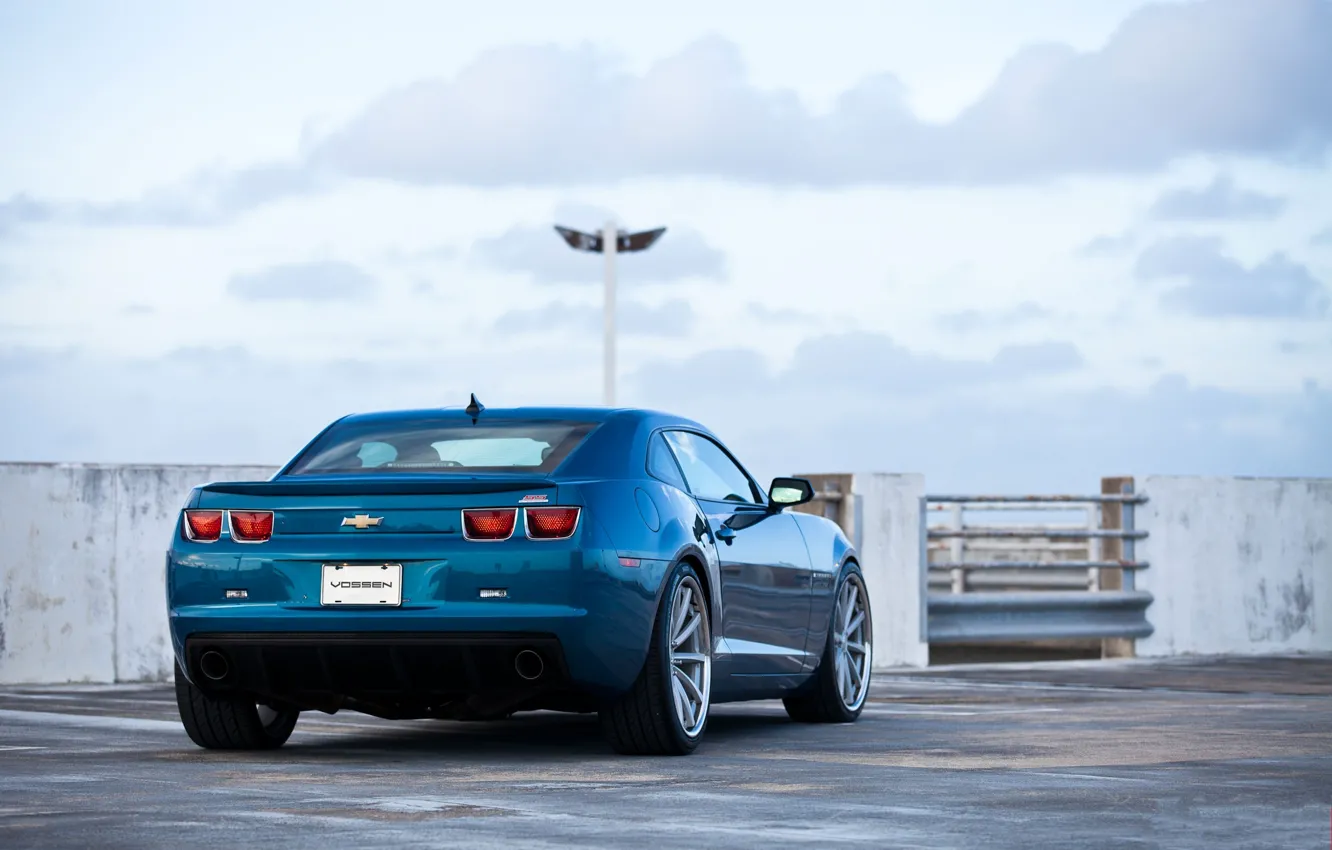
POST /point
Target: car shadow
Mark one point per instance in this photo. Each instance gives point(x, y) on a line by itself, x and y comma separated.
point(524, 737)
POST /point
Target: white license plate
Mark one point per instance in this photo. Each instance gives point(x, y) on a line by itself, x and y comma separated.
point(361, 584)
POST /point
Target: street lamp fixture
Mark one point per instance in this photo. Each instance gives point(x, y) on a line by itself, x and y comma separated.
point(610, 241)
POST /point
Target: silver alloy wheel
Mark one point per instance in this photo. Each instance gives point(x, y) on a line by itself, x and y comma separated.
point(691, 656)
point(851, 643)
point(267, 715)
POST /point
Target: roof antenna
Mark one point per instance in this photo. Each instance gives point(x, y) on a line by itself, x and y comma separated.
point(474, 408)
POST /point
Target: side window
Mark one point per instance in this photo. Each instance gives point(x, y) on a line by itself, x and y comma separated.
point(661, 465)
point(709, 471)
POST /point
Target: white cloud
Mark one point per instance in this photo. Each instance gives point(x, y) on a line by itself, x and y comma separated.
point(1223, 76)
point(208, 198)
point(1218, 77)
point(21, 210)
point(863, 364)
point(673, 318)
point(1216, 285)
point(965, 321)
point(183, 406)
point(958, 421)
point(1219, 200)
point(313, 282)
point(1109, 245)
point(984, 436)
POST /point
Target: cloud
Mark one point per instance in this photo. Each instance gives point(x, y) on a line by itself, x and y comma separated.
point(22, 210)
point(965, 321)
point(144, 396)
point(139, 400)
point(536, 250)
point(864, 364)
point(1219, 77)
point(1219, 200)
point(1005, 440)
point(1225, 76)
point(1108, 245)
point(209, 197)
point(315, 282)
point(1040, 358)
point(875, 363)
point(1008, 439)
point(672, 318)
point(1218, 286)
point(782, 315)
point(1322, 237)
point(431, 255)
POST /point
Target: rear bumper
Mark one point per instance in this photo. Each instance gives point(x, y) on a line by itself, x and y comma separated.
point(599, 652)
point(407, 673)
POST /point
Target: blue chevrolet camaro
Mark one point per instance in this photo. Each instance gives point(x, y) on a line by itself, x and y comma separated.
point(472, 563)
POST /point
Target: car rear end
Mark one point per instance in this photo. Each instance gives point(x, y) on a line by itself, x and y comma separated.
point(402, 590)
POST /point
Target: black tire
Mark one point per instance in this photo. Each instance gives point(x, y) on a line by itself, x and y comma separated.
point(644, 721)
point(820, 701)
point(229, 722)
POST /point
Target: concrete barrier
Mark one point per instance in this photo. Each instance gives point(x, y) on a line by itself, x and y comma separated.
point(890, 539)
point(1238, 565)
point(82, 560)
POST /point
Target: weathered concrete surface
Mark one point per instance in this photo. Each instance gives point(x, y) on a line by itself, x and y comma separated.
point(1238, 565)
point(1116, 754)
point(82, 557)
point(891, 547)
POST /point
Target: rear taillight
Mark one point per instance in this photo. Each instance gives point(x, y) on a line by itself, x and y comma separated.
point(251, 526)
point(551, 523)
point(203, 526)
point(489, 524)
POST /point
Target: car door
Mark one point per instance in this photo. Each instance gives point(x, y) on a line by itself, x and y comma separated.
point(765, 567)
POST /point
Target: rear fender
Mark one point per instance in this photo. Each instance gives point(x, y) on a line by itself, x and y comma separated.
point(628, 510)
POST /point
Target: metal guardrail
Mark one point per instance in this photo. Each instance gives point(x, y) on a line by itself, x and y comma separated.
point(968, 617)
point(1028, 581)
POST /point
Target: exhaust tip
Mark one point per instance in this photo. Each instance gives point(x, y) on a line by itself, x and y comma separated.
point(214, 665)
point(529, 665)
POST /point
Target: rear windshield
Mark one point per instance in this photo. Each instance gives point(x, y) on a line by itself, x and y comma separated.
point(527, 446)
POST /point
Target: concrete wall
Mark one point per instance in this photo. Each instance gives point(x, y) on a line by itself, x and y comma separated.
point(82, 558)
point(1238, 565)
point(890, 539)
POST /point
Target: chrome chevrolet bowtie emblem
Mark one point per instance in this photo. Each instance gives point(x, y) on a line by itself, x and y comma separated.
point(362, 521)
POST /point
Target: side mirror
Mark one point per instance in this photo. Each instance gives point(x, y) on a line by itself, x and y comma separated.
point(787, 492)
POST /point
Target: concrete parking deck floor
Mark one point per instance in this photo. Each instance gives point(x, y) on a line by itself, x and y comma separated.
point(1177, 754)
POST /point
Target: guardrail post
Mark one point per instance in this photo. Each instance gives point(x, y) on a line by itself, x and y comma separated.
point(957, 549)
point(1095, 551)
point(1117, 515)
point(1129, 544)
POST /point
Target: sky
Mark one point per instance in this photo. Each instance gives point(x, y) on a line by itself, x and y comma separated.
point(1014, 246)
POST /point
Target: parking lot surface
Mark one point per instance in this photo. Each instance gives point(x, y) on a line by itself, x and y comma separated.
point(1202, 754)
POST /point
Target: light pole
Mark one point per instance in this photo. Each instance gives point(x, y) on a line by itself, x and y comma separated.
point(610, 242)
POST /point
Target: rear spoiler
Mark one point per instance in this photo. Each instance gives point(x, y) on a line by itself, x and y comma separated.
point(378, 486)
